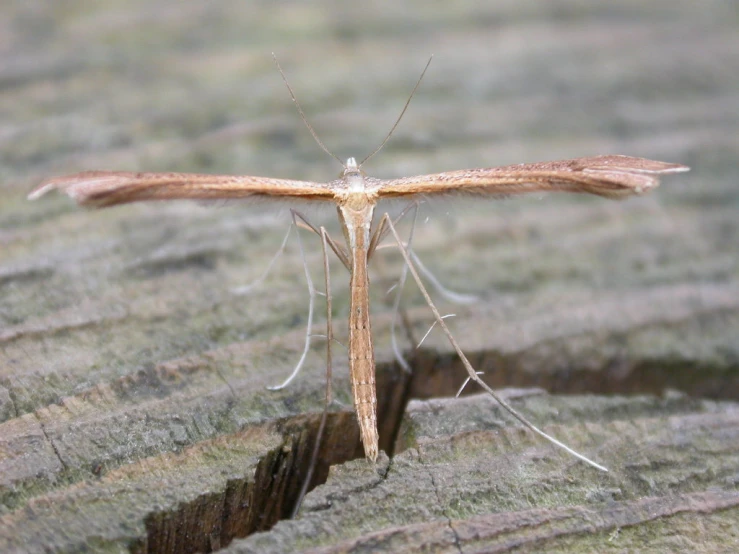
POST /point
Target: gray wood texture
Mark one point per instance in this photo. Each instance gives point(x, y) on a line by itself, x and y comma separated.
point(133, 409)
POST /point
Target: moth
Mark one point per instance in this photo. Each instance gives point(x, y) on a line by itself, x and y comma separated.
point(355, 196)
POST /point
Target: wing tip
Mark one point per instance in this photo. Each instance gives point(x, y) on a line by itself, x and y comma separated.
point(634, 175)
point(62, 184)
point(79, 186)
point(40, 190)
point(635, 165)
point(676, 168)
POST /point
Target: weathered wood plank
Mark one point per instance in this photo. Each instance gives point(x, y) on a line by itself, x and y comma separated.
point(133, 414)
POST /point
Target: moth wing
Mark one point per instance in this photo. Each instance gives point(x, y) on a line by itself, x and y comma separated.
point(108, 188)
point(609, 176)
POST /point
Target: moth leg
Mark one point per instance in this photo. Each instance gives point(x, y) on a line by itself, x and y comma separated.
point(377, 237)
point(468, 366)
point(339, 250)
point(453, 296)
point(382, 230)
point(329, 368)
point(311, 303)
point(431, 328)
point(401, 283)
point(329, 322)
point(312, 292)
point(465, 384)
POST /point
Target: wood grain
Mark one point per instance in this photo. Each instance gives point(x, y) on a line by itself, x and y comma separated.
point(132, 394)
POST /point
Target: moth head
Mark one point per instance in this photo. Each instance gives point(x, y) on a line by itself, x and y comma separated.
point(351, 167)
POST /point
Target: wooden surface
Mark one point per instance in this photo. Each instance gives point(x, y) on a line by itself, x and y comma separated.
point(133, 409)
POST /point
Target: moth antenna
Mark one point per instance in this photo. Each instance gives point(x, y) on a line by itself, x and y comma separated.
point(302, 114)
point(376, 150)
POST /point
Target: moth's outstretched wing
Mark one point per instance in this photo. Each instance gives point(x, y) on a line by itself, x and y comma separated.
point(610, 176)
point(107, 188)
